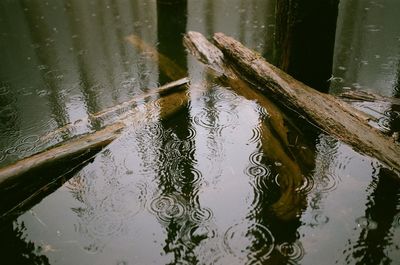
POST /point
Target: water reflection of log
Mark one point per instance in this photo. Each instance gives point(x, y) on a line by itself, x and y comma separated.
point(330, 114)
point(274, 139)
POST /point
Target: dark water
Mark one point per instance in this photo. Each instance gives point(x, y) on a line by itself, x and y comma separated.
point(229, 179)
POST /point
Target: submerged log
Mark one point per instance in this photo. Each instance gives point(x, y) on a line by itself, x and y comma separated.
point(330, 114)
point(167, 66)
point(359, 95)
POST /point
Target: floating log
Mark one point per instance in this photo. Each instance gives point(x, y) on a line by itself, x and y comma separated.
point(21, 179)
point(109, 115)
point(94, 140)
point(274, 135)
point(124, 107)
point(330, 114)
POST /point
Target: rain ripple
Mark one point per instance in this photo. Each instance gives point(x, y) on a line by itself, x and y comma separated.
point(366, 223)
point(307, 185)
point(216, 120)
point(104, 225)
point(327, 183)
point(167, 208)
point(249, 242)
point(292, 250)
point(193, 178)
point(193, 234)
point(256, 135)
point(199, 215)
point(396, 221)
point(126, 203)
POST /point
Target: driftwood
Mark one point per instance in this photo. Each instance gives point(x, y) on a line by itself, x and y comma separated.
point(110, 115)
point(330, 114)
point(173, 102)
point(274, 134)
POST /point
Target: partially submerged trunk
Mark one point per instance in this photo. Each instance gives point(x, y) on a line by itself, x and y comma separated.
point(293, 157)
point(20, 180)
point(330, 114)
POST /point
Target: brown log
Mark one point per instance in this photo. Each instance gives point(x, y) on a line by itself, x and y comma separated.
point(331, 115)
point(173, 102)
point(274, 136)
point(72, 148)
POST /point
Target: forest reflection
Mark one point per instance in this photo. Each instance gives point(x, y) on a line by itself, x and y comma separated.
point(68, 59)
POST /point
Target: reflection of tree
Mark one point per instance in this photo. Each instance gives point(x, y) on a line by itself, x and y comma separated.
point(16, 249)
point(349, 35)
point(86, 81)
point(269, 36)
point(47, 56)
point(396, 88)
point(394, 111)
point(176, 175)
point(381, 209)
point(171, 24)
point(305, 38)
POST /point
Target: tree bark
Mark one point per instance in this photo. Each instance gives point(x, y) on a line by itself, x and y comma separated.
point(330, 114)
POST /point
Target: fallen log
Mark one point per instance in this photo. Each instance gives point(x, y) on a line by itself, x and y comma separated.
point(173, 97)
point(109, 115)
point(274, 134)
point(172, 102)
point(331, 115)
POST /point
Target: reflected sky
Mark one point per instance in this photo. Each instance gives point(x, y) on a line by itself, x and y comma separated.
point(230, 179)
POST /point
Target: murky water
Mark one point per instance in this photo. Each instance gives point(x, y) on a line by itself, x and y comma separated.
point(229, 179)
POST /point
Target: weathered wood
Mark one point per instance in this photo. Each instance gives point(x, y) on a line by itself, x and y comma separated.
point(333, 116)
point(135, 101)
point(107, 116)
point(274, 135)
point(72, 148)
point(172, 102)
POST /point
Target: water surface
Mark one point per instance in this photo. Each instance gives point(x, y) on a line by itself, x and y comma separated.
point(218, 183)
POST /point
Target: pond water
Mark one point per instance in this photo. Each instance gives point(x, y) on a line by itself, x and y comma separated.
point(219, 182)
